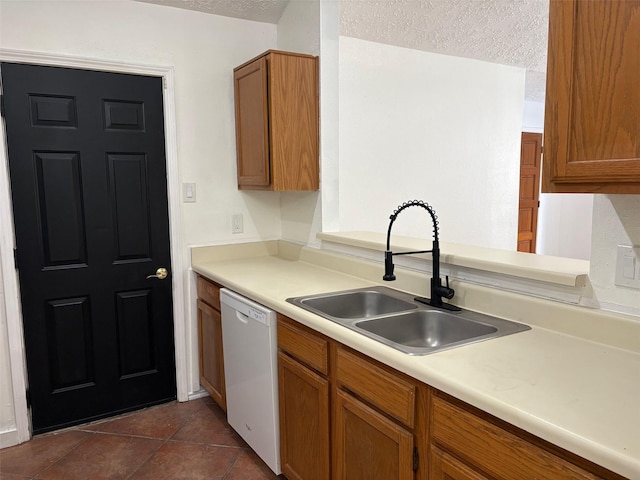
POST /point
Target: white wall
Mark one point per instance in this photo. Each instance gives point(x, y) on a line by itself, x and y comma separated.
point(416, 125)
point(616, 221)
point(564, 225)
point(533, 117)
point(564, 221)
point(299, 31)
point(203, 49)
point(312, 27)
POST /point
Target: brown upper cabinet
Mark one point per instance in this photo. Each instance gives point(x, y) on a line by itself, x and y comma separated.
point(592, 116)
point(277, 125)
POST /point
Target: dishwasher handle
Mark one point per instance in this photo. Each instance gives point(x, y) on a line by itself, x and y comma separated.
point(250, 309)
point(242, 317)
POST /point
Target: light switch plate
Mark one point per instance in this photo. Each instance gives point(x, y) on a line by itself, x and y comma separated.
point(628, 266)
point(189, 192)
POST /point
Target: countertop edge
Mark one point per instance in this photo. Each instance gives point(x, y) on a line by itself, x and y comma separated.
point(554, 270)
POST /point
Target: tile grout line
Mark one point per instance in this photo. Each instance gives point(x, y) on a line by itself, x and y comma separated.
point(187, 419)
point(48, 467)
point(166, 440)
point(228, 471)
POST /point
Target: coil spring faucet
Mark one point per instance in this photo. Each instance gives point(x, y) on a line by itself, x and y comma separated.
point(437, 289)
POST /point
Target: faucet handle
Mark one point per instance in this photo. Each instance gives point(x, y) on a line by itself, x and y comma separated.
point(448, 292)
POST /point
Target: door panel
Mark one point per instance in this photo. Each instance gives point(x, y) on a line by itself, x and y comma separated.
point(89, 193)
point(129, 202)
point(61, 208)
point(530, 153)
point(70, 343)
point(135, 333)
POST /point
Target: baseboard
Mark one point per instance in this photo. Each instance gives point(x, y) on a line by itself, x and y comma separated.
point(9, 438)
point(199, 394)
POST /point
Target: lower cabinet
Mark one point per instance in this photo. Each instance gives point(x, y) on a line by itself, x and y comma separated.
point(480, 446)
point(345, 416)
point(304, 421)
point(210, 354)
point(368, 445)
point(303, 391)
point(443, 466)
point(369, 409)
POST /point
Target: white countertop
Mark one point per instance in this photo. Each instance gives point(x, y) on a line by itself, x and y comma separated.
point(578, 394)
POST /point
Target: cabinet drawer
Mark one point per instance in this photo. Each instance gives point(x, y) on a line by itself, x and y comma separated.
point(379, 387)
point(208, 291)
point(471, 438)
point(303, 345)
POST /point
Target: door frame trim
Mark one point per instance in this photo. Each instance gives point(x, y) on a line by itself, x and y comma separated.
point(10, 283)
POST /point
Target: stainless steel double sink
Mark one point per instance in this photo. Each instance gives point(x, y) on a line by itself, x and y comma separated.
point(395, 319)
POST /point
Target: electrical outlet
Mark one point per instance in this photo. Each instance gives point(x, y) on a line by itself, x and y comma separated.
point(628, 266)
point(236, 223)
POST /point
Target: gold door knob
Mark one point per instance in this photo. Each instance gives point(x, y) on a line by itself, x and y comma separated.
point(160, 274)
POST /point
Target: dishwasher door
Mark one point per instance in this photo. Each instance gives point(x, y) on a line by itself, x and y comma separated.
point(251, 374)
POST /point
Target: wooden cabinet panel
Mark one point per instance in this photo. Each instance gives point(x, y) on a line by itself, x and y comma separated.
point(445, 467)
point(304, 345)
point(294, 114)
point(393, 395)
point(494, 450)
point(304, 421)
point(592, 131)
point(211, 353)
point(386, 426)
point(367, 445)
point(277, 122)
point(208, 292)
point(252, 124)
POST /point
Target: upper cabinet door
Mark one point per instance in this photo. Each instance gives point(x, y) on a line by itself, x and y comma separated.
point(252, 124)
point(277, 122)
point(592, 117)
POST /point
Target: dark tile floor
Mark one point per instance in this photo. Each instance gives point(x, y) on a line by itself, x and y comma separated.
point(189, 440)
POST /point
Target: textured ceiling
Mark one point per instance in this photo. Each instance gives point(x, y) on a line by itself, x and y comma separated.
point(268, 11)
point(511, 32)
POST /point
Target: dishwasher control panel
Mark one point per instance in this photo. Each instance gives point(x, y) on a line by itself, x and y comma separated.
point(257, 315)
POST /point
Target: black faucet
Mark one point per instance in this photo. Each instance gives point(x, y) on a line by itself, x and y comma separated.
point(437, 289)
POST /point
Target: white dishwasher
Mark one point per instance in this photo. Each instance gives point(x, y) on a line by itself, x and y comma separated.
point(251, 374)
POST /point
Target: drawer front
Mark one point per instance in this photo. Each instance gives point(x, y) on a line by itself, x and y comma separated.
point(208, 292)
point(379, 387)
point(494, 450)
point(303, 345)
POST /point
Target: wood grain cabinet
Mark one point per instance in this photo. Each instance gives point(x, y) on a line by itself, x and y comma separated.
point(277, 122)
point(345, 416)
point(369, 409)
point(443, 466)
point(373, 419)
point(592, 110)
point(468, 444)
point(303, 390)
point(210, 353)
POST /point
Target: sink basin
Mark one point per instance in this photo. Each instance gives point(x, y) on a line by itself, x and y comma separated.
point(357, 304)
point(396, 319)
point(426, 329)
